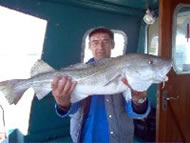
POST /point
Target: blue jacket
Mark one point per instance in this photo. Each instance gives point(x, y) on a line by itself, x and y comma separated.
point(121, 123)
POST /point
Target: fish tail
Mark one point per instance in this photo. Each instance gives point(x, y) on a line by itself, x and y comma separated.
point(12, 91)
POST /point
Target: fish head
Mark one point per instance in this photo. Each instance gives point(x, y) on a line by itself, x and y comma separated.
point(142, 70)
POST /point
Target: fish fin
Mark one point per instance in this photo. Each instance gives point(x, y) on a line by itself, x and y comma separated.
point(41, 92)
point(40, 67)
point(114, 79)
point(139, 85)
point(76, 66)
point(11, 90)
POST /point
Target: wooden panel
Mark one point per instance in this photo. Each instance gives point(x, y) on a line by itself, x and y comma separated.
point(173, 123)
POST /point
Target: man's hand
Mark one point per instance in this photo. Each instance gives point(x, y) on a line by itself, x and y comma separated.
point(136, 95)
point(62, 87)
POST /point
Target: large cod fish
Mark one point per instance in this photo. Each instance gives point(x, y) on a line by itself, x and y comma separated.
point(102, 77)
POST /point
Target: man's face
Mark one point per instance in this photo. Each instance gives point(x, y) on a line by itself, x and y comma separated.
point(101, 44)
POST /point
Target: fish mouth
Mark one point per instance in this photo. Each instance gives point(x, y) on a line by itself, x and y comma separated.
point(162, 77)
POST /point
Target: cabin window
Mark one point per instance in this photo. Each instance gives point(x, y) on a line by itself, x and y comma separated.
point(152, 38)
point(120, 39)
point(21, 44)
point(181, 39)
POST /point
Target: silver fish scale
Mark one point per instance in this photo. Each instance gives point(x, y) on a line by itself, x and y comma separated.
point(101, 73)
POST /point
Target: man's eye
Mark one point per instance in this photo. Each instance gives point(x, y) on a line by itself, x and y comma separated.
point(106, 41)
point(95, 43)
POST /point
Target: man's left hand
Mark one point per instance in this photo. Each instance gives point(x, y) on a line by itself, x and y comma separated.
point(136, 96)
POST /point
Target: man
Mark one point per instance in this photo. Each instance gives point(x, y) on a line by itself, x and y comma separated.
point(99, 118)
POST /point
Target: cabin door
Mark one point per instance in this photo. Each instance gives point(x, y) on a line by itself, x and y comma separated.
point(173, 112)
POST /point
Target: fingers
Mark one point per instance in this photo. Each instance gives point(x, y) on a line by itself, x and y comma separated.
point(125, 81)
point(54, 84)
point(66, 86)
point(62, 87)
point(73, 85)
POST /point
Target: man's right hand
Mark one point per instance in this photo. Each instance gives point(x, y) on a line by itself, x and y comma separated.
point(62, 87)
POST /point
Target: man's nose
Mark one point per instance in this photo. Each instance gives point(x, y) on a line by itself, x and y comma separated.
point(100, 44)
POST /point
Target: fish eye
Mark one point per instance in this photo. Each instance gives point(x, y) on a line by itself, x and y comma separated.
point(150, 62)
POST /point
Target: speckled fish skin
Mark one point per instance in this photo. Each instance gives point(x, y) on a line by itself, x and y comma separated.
point(102, 77)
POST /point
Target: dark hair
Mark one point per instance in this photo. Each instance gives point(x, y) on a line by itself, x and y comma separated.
point(102, 30)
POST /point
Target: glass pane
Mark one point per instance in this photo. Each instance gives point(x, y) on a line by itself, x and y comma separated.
point(153, 49)
point(181, 39)
point(153, 38)
point(21, 44)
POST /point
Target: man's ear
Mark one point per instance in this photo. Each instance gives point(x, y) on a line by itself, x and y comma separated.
point(89, 47)
point(113, 44)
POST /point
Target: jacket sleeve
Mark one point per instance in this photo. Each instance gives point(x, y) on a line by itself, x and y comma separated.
point(131, 112)
point(74, 107)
